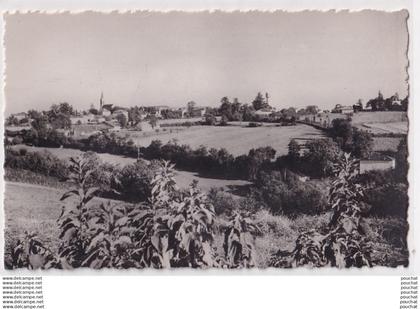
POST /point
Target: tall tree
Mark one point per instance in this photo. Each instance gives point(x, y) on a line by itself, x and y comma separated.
point(358, 107)
point(226, 108)
point(341, 131)
point(320, 157)
point(404, 104)
point(257, 157)
point(401, 168)
point(12, 121)
point(294, 150)
point(380, 101)
point(190, 108)
point(153, 121)
point(259, 102)
point(122, 120)
point(362, 143)
point(312, 109)
point(134, 116)
point(247, 112)
point(59, 115)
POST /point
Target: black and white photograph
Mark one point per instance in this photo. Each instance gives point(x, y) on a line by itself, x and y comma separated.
point(206, 140)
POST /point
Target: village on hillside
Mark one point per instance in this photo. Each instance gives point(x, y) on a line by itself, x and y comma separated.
point(206, 140)
point(385, 119)
point(244, 159)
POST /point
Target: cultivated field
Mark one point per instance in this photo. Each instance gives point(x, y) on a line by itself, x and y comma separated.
point(400, 127)
point(379, 117)
point(236, 139)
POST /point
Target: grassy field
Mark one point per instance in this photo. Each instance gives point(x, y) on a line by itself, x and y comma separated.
point(236, 139)
point(381, 128)
point(35, 208)
point(183, 178)
point(386, 143)
point(379, 117)
point(66, 153)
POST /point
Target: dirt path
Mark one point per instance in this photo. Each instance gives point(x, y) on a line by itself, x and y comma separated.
point(12, 186)
point(29, 185)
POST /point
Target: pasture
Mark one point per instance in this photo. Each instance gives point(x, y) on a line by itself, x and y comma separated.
point(236, 139)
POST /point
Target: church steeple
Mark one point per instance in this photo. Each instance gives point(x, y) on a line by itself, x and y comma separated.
point(101, 102)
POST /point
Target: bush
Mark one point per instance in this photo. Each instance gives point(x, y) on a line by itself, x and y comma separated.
point(223, 202)
point(40, 162)
point(318, 160)
point(210, 120)
point(23, 151)
point(133, 182)
point(385, 195)
point(102, 174)
point(388, 200)
point(45, 138)
point(284, 193)
point(350, 139)
point(344, 244)
point(17, 140)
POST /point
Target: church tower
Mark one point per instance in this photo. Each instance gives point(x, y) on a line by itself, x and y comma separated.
point(101, 103)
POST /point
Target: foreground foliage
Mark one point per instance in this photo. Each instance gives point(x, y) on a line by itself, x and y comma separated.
point(344, 243)
point(173, 228)
point(179, 228)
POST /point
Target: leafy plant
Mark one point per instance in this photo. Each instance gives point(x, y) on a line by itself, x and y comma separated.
point(29, 252)
point(173, 229)
point(238, 242)
point(74, 221)
point(344, 245)
point(183, 223)
point(308, 250)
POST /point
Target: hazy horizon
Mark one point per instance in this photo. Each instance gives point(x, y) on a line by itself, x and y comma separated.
point(143, 58)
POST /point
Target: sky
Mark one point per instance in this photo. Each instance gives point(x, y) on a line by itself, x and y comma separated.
point(145, 58)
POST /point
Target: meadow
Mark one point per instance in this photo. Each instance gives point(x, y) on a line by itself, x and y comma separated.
point(236, 139)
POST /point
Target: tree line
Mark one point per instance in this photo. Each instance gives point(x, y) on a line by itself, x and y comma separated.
point(316, 160)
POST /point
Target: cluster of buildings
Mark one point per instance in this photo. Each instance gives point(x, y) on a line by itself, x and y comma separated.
point(378, 160)
point(323, 119)
point(108, 118)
